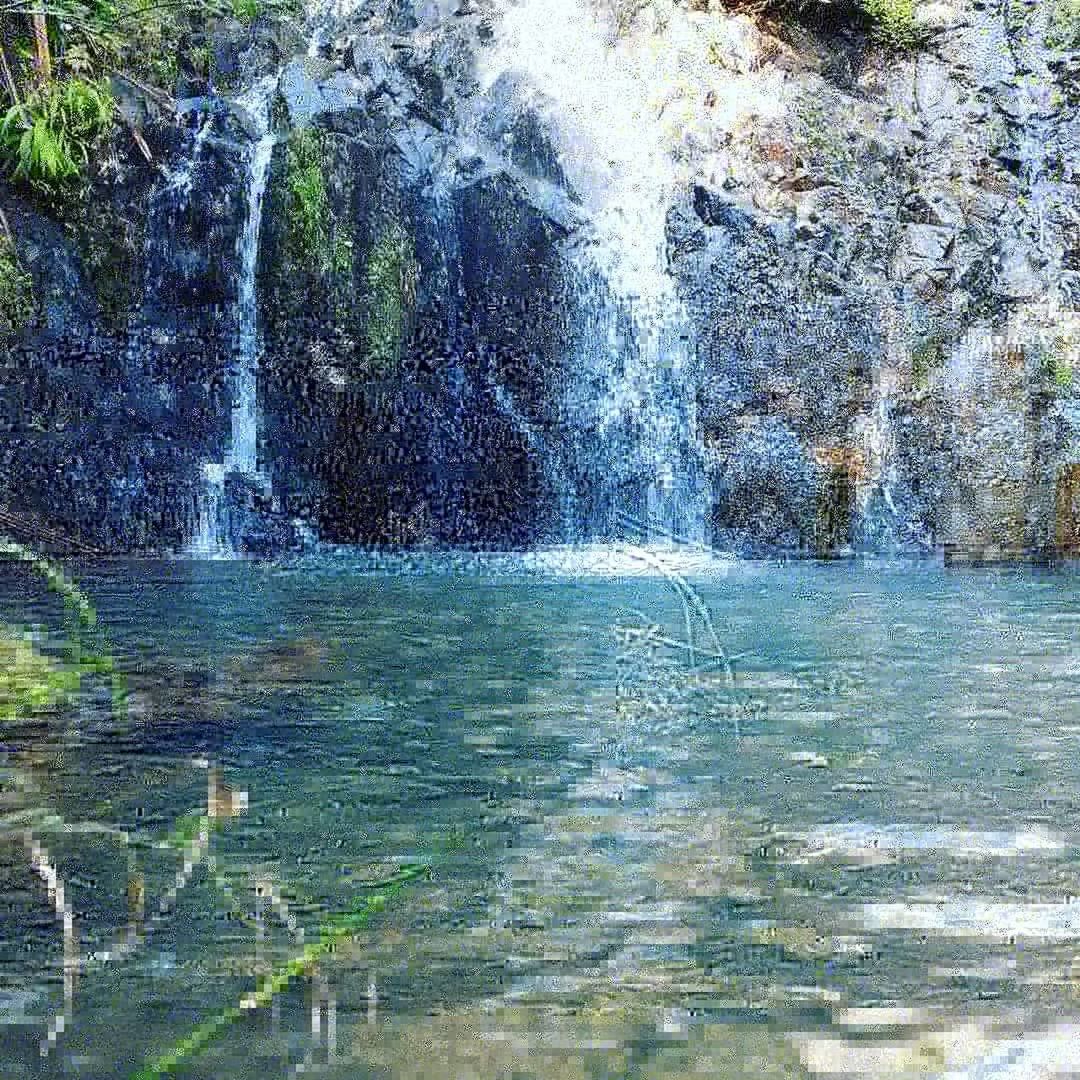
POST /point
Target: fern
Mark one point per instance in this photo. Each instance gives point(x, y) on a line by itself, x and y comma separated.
point(48, 139)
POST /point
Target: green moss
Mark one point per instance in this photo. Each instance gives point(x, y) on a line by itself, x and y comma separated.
point(110, 245)
point(310, 226)
point(1057, 367)
point(1063, 24)
point(891, 22)
point(894, 23)
point(16, 291)
point(341, 259)
point(391, 276)
point(926, 357)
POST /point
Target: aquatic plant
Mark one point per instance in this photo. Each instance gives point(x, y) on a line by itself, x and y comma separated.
point(334, 931)
point(85, 658)
point(30, 683)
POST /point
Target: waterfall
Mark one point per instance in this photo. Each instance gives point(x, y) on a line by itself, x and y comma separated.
point(182, 178)
point(214, 537)
point(242, 454)
point(614, 148)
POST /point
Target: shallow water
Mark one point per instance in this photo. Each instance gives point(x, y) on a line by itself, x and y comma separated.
point(860, 859)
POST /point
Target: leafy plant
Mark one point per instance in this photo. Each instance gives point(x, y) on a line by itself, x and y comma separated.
point(84, 658)
point(246, 11)
point(16, 291)
point(48, 138)
point(1057, 367)
point(31, 683)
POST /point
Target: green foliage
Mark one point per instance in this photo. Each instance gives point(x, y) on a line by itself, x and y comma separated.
point(1058, 369)
point(894, 23)
point(1063, 24)
point(16, 291)
point(308, 208)
point(84, 660)
point(316, 241)
point(391, 277)
point(246, 11)
point(31, 683)
point(47, 140)
point(341, 258)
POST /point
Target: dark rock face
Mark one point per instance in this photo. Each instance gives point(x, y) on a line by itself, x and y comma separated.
point(409, 444)
point(107, 405)
point(881, 275)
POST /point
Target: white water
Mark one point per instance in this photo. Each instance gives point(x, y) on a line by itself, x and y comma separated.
point(606, 111)
point(209, 542)
point(242, 455)
point(183, 178)
point(213, 538)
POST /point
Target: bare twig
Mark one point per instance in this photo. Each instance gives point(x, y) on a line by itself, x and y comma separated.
point(163, 99)
point(13, 90)
point(42, 865)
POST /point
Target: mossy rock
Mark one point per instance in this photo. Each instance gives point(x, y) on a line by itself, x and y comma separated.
point(1063, 25)
point(391, 275)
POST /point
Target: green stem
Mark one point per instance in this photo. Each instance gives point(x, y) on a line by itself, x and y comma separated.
point(85, 617)
point(335, 930)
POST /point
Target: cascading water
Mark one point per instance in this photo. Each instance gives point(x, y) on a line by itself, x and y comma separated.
point(213, 538)
point(613, 150)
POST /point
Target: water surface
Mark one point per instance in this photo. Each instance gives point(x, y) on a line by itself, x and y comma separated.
point(860, 858)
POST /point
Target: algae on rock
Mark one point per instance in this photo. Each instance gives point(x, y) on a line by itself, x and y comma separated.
point(391, 277)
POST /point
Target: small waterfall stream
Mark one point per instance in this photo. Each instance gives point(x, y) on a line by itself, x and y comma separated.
point(616, 155)
point(214, 535)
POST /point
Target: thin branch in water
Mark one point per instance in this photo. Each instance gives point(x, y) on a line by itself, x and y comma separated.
point(42, 865)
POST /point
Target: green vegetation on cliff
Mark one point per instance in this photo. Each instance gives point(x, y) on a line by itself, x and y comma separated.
point(890, 22)
point(58, 58)
point(308, 207)
point(893, 22)
point(16, 291)
point(48, 136)
point(316, 239)
point(391, 277)
point(1063, 24)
